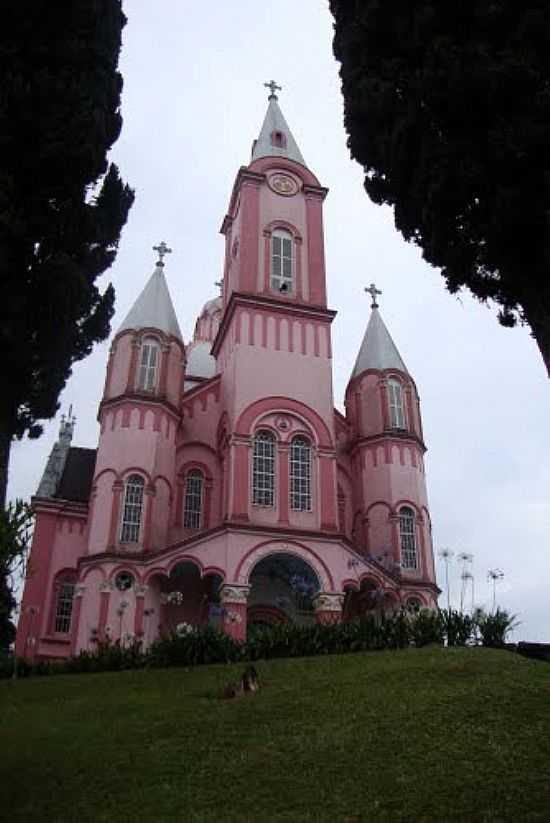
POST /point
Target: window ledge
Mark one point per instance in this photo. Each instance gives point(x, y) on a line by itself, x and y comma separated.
point(57, 638)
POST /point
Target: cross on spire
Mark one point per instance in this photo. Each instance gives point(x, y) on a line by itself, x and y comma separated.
point(219, 284)
point(373, 291)
point(162, 250)
point(273, 89)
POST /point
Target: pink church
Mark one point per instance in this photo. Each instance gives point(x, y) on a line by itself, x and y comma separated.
point(226, 489)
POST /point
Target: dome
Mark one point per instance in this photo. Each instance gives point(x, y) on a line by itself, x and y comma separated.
point(212, 306)
point(200, 363)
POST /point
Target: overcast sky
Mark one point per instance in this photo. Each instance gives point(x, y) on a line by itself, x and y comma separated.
point(193, 102)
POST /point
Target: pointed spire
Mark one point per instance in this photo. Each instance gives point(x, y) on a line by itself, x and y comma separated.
point(275, 138)
point(154, 308)
point(378, 351)
point(58, 457)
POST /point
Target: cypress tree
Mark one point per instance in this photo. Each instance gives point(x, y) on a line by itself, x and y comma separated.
point(62, 205)
point(447, 108)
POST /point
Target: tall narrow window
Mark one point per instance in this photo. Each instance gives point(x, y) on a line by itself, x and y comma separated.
point(300, 474)
point(263, 470)
point(133, 505)
point(397, 412)
point(193, 500)
point(408, 538)
point(281, 262)
point(64, 604)
point(148, 366)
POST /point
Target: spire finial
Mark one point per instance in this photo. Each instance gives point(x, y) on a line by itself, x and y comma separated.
point(219, 284)
point(273, 89)
point(162, 250)
point(373, 291)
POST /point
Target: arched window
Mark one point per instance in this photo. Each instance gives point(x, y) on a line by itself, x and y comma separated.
point(193, 500)
point(300, 474)
point(263, 470)
point(64, 594)
point(281, 262)
point(395, 399)
point(133, 505)
point(408, 538)
point(148, 364)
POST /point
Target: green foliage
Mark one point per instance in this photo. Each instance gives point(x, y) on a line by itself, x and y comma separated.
point(15, 525)
point(447, 108)
point(195, 648)
point(458, 628)
point(62, 206)
point(494, 627)
point(427, 628)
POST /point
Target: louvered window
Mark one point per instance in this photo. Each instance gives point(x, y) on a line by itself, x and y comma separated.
point(133, 505)
point(193, 500)
point(397, 412)
point(263, 470)
point(147, 379)
point(64, 605)
point(300, 475)
point(281, 262)
point(408, 538)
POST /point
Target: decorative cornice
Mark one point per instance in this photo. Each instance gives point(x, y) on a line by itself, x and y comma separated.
point(138, 399)
point(56, 505)
point(324, 602)
point(309, 312)
point(396, 435)
point(233, 593)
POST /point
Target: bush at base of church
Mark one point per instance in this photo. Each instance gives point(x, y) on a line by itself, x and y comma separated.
point(192, 646)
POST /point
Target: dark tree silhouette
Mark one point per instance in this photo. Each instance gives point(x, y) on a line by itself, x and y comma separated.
point(62, 206)
point(447, 107)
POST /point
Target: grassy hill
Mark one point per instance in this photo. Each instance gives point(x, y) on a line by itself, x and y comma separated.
point(418, 735)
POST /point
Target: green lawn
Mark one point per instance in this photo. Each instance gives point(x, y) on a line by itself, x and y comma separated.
point(427, 735)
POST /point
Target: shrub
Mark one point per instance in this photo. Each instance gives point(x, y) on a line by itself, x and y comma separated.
point(427, 628)
point(494, 628)
point(458, 628)
point(194, 648)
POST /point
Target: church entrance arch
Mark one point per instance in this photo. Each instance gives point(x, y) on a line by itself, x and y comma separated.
point(282, 589)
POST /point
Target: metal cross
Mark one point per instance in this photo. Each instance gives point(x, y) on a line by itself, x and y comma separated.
point(163, 250)
point(373, 291)
point(273, 88)
point(219, 284)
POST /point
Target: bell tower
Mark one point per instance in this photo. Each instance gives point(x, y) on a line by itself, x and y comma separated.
point(387, 457)
point(139, 418)
point(273, 347)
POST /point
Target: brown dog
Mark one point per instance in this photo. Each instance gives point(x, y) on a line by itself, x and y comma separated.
point(249, 682)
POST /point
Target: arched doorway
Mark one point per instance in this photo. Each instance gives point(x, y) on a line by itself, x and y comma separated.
point(282, 589)
point(184, 596)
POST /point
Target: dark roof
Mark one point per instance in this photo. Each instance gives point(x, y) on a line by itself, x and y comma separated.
point(76, 480)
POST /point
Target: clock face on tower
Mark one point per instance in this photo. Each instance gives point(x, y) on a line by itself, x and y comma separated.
point(283, 184)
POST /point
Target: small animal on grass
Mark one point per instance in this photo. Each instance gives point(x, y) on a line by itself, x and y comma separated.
point(249, 682)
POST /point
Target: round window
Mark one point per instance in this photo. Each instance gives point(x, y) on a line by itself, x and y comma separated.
point(414, 604)
point(124, 581)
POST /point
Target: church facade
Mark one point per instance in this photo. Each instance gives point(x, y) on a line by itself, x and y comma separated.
point(226, 488)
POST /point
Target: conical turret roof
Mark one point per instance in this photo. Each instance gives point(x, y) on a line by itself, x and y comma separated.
point(378, 351)
point(153, 308)
point(267, 144)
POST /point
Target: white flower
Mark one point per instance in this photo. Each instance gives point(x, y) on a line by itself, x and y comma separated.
point(183, 629)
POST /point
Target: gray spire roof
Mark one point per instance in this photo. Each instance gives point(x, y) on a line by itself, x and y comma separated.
point(275, 122)
point(153, 309)
point(378, 351)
